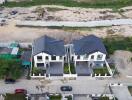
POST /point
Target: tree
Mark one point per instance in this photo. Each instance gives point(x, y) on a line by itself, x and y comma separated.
point(10, 68)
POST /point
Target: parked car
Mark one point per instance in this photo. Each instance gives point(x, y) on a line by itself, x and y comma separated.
point(66, 88)
point(9, 81)
point(23, 91)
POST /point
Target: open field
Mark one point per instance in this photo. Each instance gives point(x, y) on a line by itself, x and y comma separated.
point(74, 3)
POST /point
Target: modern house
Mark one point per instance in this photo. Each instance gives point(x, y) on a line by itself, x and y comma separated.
point(80, 57)
point(87, 53)
point(48, 55)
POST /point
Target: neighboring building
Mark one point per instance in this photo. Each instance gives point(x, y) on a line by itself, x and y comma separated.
point(26, 58)
point(48, 54)
point(8, 53)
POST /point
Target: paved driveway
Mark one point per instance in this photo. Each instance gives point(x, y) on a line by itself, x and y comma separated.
point(82, 69)
point(55, 69)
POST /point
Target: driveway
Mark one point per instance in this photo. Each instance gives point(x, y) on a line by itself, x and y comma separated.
point(82, 69)
point(55, 69)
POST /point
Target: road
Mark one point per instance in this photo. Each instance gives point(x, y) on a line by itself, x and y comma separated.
point(80, 86)
point(74, 24)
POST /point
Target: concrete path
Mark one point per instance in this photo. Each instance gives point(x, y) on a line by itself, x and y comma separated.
point(74, 24)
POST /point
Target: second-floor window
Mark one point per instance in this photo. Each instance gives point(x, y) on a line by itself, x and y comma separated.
point(39, 58)
point(78, 57)
point(47, 58)
point(60, 57)
point(92, 57)
point(99, 57)
point(53, 57)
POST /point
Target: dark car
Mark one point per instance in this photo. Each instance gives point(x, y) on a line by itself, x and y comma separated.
point(9, 81)
point(19, 91)
point(66, 88)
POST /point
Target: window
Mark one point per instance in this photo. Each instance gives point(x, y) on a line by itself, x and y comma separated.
point(78, 57)
point(72, 58)
point(92, 57)
point(53, 57)
point(60, 57)
point(47, 58)
point(99, 57)
point(40, 64)
point(39, 57)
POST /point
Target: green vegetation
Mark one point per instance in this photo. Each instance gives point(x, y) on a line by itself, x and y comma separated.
point(72, 68)
point(68, 97)
point(15, 97)
point(117, 43)
point(66, 68)
point(104, 98)
point(37, 71)
point(10, 68)
point(102, 71)
point(55, 97)
point(130, 89)
point(131, 59)
point(73, 3)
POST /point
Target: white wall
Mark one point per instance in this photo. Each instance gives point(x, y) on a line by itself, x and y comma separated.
point(2, 1)
point(46, 61)
point(82, 57)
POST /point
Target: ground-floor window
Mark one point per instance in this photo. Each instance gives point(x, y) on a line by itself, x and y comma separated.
point(40, 64)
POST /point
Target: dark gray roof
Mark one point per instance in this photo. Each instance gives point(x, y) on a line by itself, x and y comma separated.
point(5, 50)
point(88, 44)
point(48, 45)
point(26, 56)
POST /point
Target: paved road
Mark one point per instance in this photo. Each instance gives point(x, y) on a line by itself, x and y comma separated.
point(80, 86)
point(75, 24)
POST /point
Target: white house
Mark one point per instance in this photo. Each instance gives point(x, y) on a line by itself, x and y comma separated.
point(88, 49)
point(49, 54)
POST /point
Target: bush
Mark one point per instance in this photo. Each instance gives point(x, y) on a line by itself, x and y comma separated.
point(66, 68)
point(117, 43)
point(72, 68)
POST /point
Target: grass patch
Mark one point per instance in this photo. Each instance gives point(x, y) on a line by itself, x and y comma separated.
point(54, 9)
point(15, 97)
point(118, 43)
point(130, 89)
point(102, 71)
point(73, 3)
point(72, 68)
point(66, 68)
point(36, 71)
point(55, 97)
point(68, 97)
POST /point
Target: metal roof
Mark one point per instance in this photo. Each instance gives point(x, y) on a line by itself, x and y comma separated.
point(26, 56)
point(88, 44)
point(48, 45)
point(5, 50)
point(15, 51)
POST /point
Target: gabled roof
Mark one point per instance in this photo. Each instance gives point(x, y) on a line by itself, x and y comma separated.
point(88, 44)
point(48, 45)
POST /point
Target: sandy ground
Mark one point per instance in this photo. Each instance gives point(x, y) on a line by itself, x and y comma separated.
point(123, 62)
point(10, 32)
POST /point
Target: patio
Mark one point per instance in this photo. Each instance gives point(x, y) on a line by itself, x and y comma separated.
point(55, 69)
point(82, 69)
